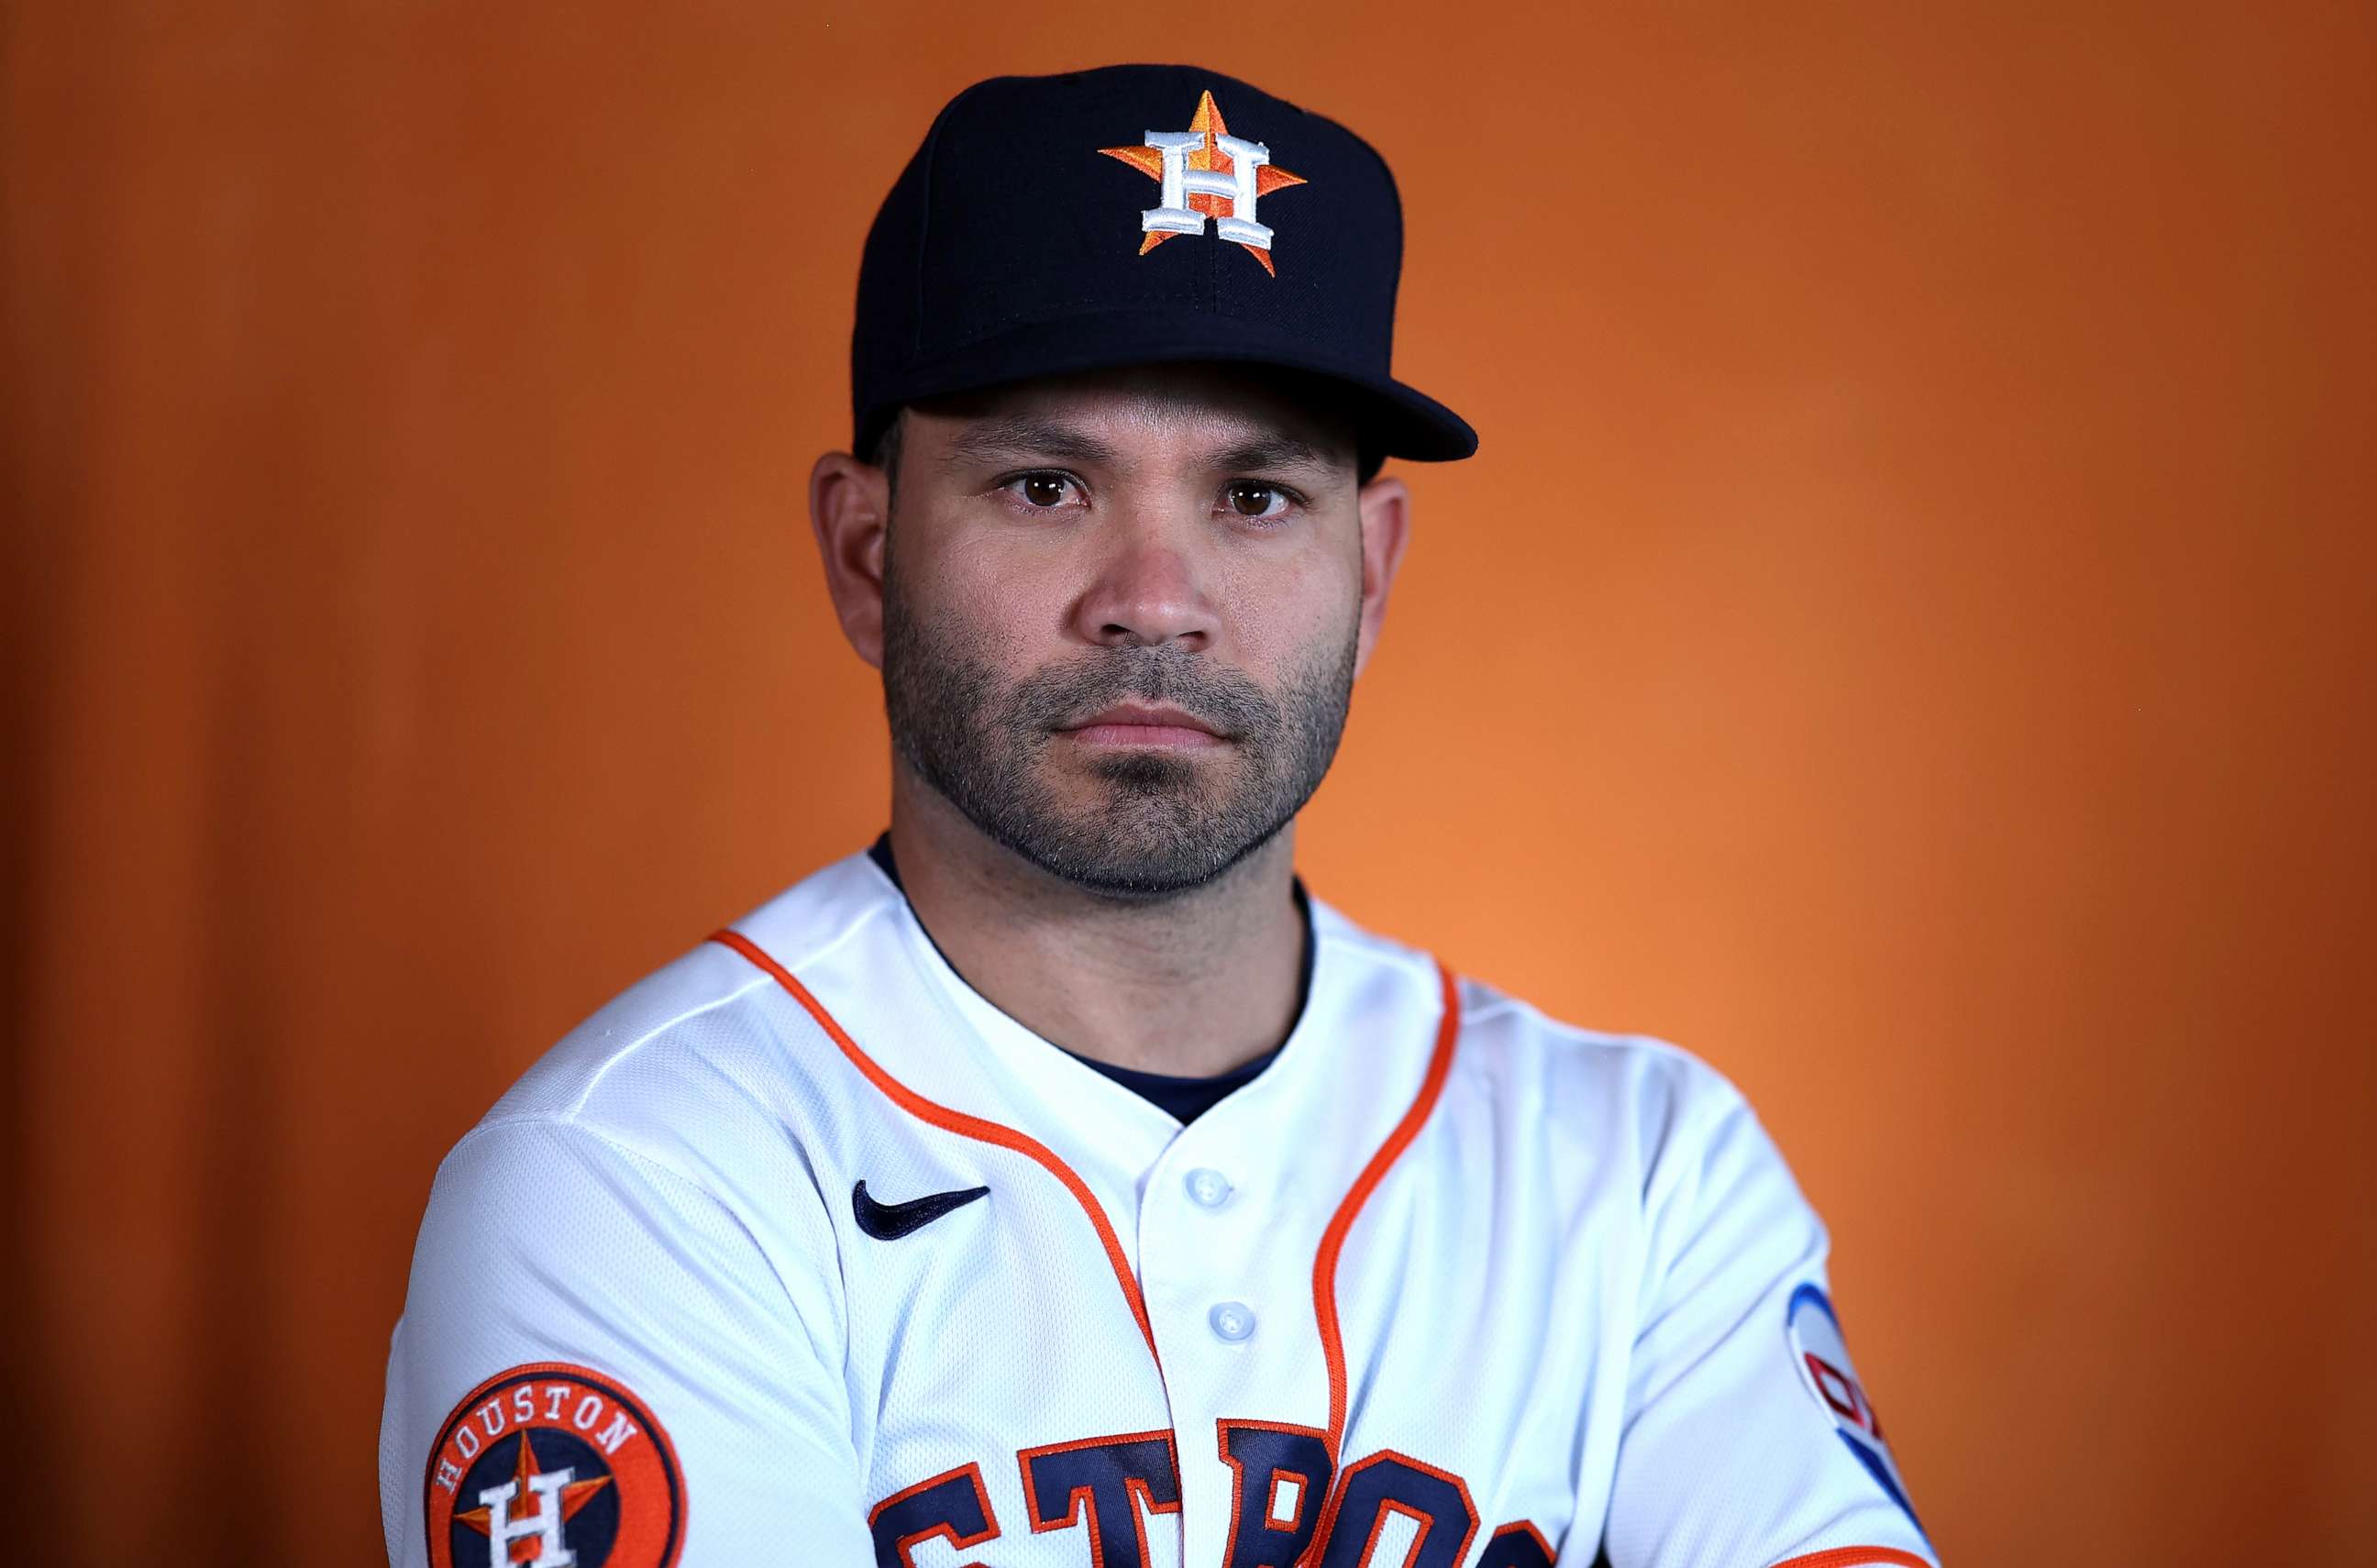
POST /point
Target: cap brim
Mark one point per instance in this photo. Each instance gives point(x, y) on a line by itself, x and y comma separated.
point(1395, 420)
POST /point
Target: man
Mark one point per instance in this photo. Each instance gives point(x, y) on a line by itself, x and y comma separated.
point(1055, 1182)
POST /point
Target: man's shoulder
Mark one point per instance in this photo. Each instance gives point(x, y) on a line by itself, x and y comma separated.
point(1573, 1083)
point(1520, 1040)
point(1502, 1032)
point(709, 1044)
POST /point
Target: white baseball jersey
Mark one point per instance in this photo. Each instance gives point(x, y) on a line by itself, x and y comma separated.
point(800, 1252)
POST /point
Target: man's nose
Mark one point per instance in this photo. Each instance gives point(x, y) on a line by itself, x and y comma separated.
point(1148, 591)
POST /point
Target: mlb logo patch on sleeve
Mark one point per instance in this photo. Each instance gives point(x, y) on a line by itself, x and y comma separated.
point(551, 1466)
point(1813, 1331)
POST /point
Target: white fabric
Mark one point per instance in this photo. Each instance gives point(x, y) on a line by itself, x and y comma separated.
point(1570, 1292)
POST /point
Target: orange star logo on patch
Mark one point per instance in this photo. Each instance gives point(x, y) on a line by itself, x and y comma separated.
point(1204, 172)
point(525, 1502)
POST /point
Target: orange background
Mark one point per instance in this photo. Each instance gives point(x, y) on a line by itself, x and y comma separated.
point(1907, 637)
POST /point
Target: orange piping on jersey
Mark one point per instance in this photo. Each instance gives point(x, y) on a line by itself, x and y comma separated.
point(949, 1120)
point(1332, 1240)
point(1857, 1557)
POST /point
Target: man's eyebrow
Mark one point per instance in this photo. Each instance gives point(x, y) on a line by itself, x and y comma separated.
point(1004, 437)
point(1277, 452)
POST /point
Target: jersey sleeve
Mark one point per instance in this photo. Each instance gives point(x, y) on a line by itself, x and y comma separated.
point(597, 1355)
point(1749, 1439)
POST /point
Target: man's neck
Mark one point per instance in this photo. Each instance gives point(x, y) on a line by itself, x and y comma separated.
point(1191, 986)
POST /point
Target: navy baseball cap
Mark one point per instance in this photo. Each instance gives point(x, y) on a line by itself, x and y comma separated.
point(1136, 215)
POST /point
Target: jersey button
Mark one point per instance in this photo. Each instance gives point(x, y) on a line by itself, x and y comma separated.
point(1232, 1320)
point(1208, 1189)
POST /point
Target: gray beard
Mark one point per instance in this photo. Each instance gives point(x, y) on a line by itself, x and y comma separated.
point(1164, 828)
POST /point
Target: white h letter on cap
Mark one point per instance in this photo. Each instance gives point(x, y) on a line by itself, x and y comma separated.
point(1180, 181)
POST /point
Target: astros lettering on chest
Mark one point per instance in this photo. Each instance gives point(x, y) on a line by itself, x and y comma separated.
point(1046, 1409)
point(1223, 1355)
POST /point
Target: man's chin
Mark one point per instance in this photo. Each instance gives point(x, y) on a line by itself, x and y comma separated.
point(1140, 862)
point(1177, 778)
point(1138, 881)
point(1136, 827)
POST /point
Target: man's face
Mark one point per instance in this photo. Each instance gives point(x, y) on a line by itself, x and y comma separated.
point(1121, 616)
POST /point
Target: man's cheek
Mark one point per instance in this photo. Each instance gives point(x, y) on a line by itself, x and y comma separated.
point(1273, 611)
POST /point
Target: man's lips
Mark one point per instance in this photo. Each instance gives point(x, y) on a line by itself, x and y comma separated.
point(1141, 724)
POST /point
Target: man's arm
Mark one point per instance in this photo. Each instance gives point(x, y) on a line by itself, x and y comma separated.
point(1748, 1439)
point(669, 1379)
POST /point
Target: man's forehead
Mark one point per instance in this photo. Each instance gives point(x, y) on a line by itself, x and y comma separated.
point(1192, 406)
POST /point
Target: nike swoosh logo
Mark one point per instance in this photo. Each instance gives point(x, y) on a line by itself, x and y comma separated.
point(888, 1222)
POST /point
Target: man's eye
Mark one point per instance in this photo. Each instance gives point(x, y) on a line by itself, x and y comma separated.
point(1043, 491)
point(1251, 497)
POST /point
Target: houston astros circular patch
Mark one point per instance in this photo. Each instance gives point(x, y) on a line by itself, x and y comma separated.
point(550, 1464)
point(1813, 1330)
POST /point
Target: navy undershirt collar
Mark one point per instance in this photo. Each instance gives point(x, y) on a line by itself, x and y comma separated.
point(1184, 1099)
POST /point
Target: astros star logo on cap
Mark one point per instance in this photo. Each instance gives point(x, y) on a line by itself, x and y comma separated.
point(999, 255)
point(1206, 171)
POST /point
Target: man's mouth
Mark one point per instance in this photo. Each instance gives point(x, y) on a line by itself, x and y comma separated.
point(1145, 724)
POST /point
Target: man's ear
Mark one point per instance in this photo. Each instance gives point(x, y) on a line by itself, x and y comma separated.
point(1386, 529)
point(849, 508)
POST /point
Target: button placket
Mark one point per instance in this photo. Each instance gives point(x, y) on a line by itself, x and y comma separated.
point(1232, 1322)
point(1210, 1293)
point(1208, 1187)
